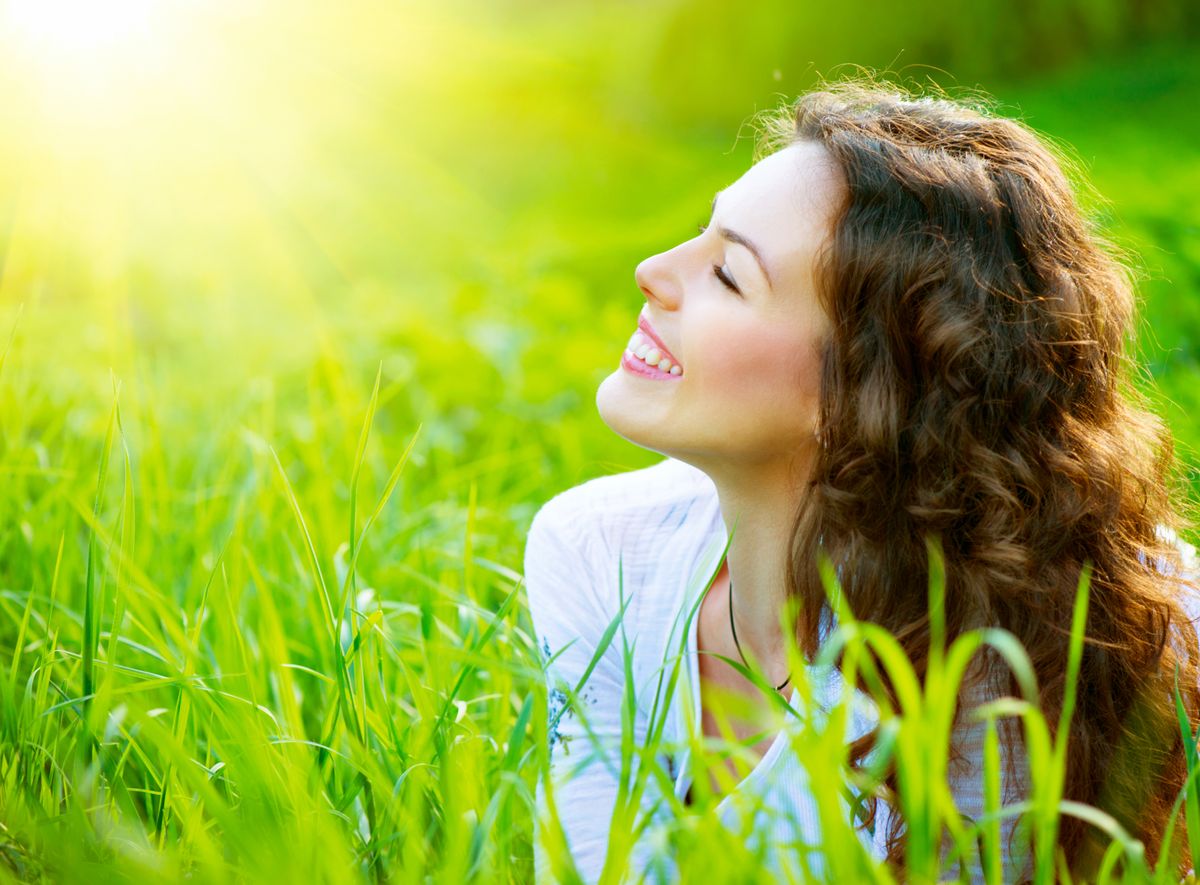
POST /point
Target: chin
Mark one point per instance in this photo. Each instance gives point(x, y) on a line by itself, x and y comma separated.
point(625, 416)
point(614, 404)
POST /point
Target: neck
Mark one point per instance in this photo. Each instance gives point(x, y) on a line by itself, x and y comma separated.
point(758, 505)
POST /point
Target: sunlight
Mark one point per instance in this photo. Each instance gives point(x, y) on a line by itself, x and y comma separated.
point(69, 28)
point(79, 60)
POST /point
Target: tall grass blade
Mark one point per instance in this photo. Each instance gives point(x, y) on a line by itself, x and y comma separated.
point(1190, 791)
point(92, 589)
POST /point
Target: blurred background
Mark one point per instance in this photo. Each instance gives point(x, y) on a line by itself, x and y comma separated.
point(240, 210)
point(228, 217)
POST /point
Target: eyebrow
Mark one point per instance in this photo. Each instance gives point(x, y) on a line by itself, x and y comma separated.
point(734, 237)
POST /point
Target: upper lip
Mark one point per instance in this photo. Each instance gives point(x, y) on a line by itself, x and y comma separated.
point(648, 331)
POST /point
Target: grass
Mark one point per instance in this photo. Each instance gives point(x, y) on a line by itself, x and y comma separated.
point(278, 401)
point(285, 721)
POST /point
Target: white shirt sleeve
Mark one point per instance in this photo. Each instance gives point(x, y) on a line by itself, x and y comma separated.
point(571, 610)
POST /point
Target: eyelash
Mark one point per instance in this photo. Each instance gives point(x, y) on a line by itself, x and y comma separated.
point(719, 271)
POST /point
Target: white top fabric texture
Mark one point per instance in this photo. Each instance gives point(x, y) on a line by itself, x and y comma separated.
point(652, 538)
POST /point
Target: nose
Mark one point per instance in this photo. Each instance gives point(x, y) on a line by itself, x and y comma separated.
point(658, 281)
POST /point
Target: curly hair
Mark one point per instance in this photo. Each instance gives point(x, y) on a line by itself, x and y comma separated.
point(975, 387)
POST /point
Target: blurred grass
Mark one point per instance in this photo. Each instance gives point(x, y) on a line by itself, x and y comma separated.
point(214, 249)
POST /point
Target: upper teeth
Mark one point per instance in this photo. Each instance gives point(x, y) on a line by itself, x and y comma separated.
point(646, 350)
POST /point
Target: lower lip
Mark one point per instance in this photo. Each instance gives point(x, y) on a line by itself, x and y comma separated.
point(637, 367)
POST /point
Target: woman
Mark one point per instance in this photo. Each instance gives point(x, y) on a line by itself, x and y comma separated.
point(896, 326)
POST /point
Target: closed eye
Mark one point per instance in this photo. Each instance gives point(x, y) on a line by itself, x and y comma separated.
point(720, 273)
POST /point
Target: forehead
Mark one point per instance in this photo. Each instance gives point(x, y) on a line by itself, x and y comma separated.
point(785, 203)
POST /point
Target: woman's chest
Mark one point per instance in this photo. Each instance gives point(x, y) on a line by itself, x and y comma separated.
point(735, 719)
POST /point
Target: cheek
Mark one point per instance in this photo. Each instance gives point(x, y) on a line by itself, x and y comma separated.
point(775, 369)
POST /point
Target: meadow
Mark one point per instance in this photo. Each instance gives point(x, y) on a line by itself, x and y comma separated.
point(293, 345)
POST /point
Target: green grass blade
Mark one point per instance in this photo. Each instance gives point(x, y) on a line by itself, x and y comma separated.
point(92, 585)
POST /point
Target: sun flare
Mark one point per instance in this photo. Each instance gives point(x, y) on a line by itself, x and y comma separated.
point(69, 28)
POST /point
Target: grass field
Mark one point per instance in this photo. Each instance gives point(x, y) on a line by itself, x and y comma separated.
point(283, 381)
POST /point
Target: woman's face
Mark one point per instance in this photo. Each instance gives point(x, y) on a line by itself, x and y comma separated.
point(736, 308)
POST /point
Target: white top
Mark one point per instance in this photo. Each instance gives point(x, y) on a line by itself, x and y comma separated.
point(653, 538)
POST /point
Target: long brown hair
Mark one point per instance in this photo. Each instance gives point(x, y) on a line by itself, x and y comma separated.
point(976, 388)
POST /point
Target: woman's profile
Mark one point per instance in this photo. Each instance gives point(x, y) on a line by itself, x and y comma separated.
point(898, 325)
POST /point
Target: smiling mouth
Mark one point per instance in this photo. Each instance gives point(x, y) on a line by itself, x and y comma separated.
point(653, 339)
point(645, 357)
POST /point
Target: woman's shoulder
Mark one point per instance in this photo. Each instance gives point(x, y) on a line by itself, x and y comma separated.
point(612, 536)
point(608, 507)
point(1181, 561)
point(592, 550)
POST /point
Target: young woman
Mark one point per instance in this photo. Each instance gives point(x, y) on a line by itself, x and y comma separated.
point(897, 325)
